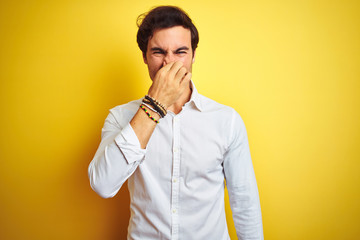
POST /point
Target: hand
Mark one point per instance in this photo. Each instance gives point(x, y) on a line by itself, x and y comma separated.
point(169, 83)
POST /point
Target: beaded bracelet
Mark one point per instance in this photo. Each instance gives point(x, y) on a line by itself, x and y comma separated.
point(158, 103)
point(150, 107)
point(157, 108)
point(147, 113)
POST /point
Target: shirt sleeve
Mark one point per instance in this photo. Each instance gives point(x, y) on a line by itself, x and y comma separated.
point(116, 159)
point(241, 183)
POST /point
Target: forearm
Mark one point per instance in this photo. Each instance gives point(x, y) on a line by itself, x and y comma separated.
point(120, 152)
point(246, 211)
point(116, 159)
point(143, 125)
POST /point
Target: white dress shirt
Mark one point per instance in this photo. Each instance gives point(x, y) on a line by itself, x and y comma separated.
point(176, 184)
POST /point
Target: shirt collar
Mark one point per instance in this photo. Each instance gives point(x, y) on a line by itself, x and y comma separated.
point(195, 97)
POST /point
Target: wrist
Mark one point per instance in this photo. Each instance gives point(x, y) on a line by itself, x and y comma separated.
point(150, 108)
point(155, 105)
point(154, 117)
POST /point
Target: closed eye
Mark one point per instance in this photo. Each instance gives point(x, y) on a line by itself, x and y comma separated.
point(157, 51)
point(182, 50)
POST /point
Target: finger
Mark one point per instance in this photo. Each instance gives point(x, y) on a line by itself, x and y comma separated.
point(167, 67)
point(175, 68)
point(186, 79)
point(181, 74)
point(163, 70)
point(177, 65)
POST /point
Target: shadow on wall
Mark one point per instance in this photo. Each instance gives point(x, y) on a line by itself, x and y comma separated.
point(110, 217)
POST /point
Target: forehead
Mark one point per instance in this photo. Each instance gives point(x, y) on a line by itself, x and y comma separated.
point(177, 36)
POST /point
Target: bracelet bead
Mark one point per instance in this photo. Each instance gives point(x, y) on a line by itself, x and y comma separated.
point(148, 114)
point(146, 104)
point(160, 109)
point(156, 102)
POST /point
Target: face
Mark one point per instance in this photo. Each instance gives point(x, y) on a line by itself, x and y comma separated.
point(169, 45)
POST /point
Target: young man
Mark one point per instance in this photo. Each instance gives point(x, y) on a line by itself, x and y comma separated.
point(175, 147)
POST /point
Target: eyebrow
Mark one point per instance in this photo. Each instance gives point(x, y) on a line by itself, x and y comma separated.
point(162, 50)
point(182, 48)
point(157, 49)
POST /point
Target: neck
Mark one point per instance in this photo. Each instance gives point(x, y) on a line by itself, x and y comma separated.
point(184, 98)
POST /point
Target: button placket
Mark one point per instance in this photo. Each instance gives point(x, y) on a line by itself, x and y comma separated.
point(175, 176)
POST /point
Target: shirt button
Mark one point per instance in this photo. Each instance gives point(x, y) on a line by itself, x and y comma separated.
point(175, 150)
point(174, 210)
point(174, 180)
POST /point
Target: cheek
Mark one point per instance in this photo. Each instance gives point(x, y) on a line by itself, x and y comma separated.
point(188, 63)
point(155, 62)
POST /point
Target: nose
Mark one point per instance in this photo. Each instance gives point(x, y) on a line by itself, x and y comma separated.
point(169, 57)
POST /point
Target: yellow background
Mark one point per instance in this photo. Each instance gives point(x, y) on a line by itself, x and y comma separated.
point(290, 68)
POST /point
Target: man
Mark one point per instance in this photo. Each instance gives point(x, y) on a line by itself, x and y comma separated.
point(175, 147)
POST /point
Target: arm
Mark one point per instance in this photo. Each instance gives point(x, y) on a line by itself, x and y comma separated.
point(241, 184)
point(168, 85)
point(122, 148)
point(116, 159)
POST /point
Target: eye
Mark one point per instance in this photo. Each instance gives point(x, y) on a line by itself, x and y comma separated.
point(181, 52)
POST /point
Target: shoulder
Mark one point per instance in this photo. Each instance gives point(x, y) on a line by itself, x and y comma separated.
point(122, 114)
point(224, 111)
point(130, 107)
point(227, 117)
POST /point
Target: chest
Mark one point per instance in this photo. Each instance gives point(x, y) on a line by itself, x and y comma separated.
point(190, 146)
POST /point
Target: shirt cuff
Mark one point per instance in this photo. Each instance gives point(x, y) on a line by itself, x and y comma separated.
point(129, 145)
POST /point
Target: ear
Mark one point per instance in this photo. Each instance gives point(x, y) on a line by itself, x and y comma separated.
point(193, 59)
point(144, 57)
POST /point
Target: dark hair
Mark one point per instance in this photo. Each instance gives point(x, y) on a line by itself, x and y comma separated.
point(160, 18)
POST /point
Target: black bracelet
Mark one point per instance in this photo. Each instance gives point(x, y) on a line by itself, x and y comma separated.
point(155, 106)
point(157, 103)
